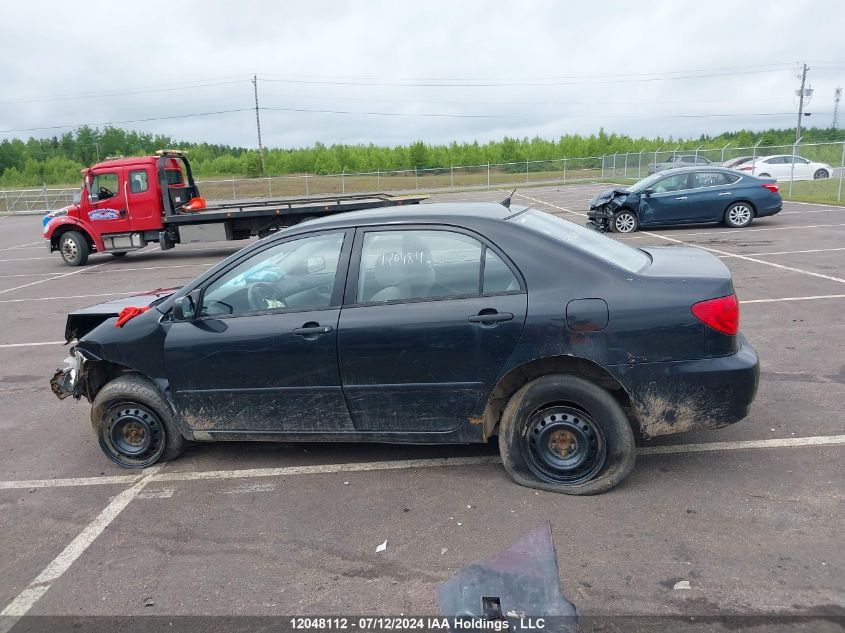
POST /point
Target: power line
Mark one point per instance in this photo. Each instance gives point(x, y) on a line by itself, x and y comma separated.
point(145, 120)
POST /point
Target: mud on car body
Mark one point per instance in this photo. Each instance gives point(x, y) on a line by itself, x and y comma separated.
point(448, 323)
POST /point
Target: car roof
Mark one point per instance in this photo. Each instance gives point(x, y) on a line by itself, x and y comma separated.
point(683, 170)
point(420, 213)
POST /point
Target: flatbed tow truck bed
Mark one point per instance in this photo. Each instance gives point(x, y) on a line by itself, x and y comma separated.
point(316, 205)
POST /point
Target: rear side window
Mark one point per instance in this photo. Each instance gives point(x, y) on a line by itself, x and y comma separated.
point(138, 181)
point(174, 176)
point(498, 277)
point(583, 239)
point(712, 179)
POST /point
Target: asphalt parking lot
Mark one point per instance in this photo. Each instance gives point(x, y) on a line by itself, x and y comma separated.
point(750, 515)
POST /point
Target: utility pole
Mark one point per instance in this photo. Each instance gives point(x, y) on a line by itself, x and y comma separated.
point(258, 123)
point(803, 92)
point(836, 97)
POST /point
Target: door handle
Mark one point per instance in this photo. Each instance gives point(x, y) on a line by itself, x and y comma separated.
point(726, 193)
point(681, 198)
point(490, 317)
point(312, 330)
point(122, 213)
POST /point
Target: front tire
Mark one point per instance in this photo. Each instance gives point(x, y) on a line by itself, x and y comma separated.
point(820, 174)
point(134, 424)
point(624, 221)
point(73, 248)
point(565, 434)
point(739, 215)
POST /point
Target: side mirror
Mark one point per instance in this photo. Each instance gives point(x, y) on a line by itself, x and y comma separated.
point(185, 307)
point(648, 192)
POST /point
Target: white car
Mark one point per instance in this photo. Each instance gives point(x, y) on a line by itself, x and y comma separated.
point(780, 167)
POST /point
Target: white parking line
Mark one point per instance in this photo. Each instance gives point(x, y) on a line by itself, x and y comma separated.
point(6, 345)
point(554, 206)
point(793, 299)
point(61, 276)
point(25, 259)
point(27, 598)
point(31, 275)
point(746, 258)
point(812, 250)
point(737, 232)
point(14, 248)
point(442, 462)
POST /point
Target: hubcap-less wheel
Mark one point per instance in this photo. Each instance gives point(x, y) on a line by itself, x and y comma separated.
point(563, 445)
point(739, 215)
point(624, 223)
point(134, 436)
point(821, 173)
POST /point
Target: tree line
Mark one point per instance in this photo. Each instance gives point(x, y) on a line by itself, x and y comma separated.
point(58, 160)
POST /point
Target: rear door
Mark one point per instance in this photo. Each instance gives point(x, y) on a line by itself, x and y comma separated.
point(430, 316)
point(710, 195)
point(143, 203)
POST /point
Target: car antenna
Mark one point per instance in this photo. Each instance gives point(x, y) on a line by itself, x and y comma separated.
point(507, 201)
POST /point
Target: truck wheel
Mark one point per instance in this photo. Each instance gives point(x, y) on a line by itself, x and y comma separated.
point(74, 248)
point(565, 434)
point(134, 424)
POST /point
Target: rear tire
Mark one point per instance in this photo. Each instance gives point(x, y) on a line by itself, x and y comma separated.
point(739, 215)
point(134, 424)
point(820, 174)
point(73, 248)
point(624, 221)
point(565, 434)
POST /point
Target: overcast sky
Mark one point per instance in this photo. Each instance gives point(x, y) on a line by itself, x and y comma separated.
point(487, 68)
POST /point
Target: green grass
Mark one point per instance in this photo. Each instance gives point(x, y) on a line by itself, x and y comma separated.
point(822, 191)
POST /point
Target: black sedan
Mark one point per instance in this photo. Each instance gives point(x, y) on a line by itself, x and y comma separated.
point(686, 196)
point(447, 323)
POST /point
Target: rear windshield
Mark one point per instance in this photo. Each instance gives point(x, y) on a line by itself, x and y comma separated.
point(584, 239)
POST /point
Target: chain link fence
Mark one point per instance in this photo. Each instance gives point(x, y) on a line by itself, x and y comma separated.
point(619, 168)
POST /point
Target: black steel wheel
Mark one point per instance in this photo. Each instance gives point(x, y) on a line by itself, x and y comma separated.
point(134, 424)
point(563, 445)
point(133, 436)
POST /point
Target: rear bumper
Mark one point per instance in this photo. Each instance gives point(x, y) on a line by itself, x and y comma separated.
point(772, 210)
point(675, 397)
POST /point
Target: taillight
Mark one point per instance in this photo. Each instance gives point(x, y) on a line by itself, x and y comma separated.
point(721, 314)
point(745, 168)
point(771, 186)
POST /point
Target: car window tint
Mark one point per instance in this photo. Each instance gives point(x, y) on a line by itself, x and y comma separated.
point(701, 160)
point(586, 240)
point(802, 161)
point(415, 264)
point(709, 179)
point(498, 277)
point(672, 183)
point(688, 159)
point(298, 274)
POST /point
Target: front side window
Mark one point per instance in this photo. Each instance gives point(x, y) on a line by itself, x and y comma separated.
point(418, 264)
point(295, 275)
point(105, 186)
point(672, 183)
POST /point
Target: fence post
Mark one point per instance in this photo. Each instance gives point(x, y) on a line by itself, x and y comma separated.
point(625, 168)
point(640, 163)
point(602, 166)
point(754, 156)
point(723, 153)
point(343, 182)
point(564, 170)
point(452, 176)
point(613, 173)
point(306, 183)
point(378, 180)
point(234, 195)
point(416, 179)
point(488, 175)
point(792, 167)
point(841, 169)
point(270, 185)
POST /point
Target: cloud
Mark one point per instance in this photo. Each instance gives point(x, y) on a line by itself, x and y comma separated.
point(200, 57)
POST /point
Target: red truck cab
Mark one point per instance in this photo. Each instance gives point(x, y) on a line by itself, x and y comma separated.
point(121, 207)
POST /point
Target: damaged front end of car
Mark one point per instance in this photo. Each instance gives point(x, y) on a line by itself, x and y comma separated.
point(603, 206)
point(68, 380)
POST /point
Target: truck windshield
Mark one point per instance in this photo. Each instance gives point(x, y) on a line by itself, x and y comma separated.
point(584, 239)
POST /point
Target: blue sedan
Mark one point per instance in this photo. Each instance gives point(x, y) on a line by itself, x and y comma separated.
point(686, 196)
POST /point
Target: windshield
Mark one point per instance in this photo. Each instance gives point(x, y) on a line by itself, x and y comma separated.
point(645, 183)
point(584, 239)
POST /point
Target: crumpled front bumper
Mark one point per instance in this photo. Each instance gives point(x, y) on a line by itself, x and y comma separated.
point(68, 380)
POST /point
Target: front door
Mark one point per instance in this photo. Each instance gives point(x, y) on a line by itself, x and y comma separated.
point(425, 328)
point(667, 202)
point(107, 197)
point(261, 355)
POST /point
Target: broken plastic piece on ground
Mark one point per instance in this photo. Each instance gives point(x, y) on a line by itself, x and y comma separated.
point(517, 584)
point(128, 313)
point(381, 547)
point(682, 584)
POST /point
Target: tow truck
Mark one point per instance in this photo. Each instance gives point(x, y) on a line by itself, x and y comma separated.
point(127, 203)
